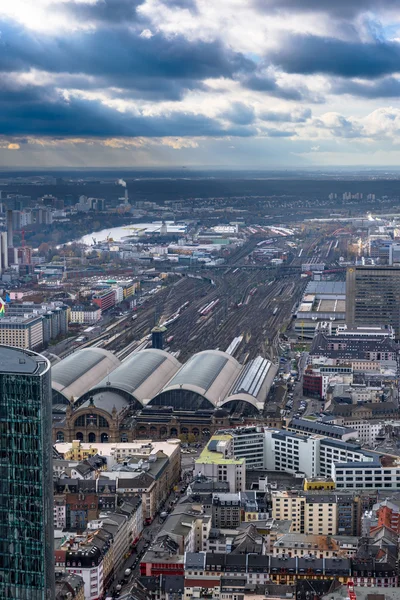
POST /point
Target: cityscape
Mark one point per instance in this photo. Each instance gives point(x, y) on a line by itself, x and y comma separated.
point(202, 407)
point(199, 300)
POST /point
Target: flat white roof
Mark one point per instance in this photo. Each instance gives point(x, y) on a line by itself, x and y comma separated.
point(167, 447)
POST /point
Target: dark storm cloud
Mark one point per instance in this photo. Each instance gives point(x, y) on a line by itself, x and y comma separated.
point(388, 87)
point(32, 111)
point(339, 8)
point(114, 53)
point(309, 54)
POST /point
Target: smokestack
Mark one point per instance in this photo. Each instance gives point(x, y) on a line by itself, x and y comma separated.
point(10, 235)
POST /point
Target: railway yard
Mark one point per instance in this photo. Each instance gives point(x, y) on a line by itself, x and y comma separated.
point(240, 307)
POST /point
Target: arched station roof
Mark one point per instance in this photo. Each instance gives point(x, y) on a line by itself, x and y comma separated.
point(140, 377)
point(203, 381)
point(106, 401)
point(79, 372)
point(253, 383)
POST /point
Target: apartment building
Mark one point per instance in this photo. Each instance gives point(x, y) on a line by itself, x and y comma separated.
point(217, 462)
point(318, 513)
point(85, 314)
point(366, 430)
point(248, 443)
point(335, 451)
point(105, 299)
point(317, 546)
point(308, 427)
point(87, 558)
point(24, 332)
point(226, 511)
point(383, 472)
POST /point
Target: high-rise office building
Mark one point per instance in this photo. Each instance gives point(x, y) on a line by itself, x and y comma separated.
point(26, 488)
point(372, 296)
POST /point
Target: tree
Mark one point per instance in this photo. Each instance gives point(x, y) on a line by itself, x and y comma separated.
point(44, 249)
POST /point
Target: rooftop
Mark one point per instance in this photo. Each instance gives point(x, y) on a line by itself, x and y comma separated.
point(320, 427)
point(351, 347)
point(125, 449)
point(209, 373)
point(326, 287)
point(23, 362)
point(27, 319)
point(210, 456)
point(142, 374)
point(76, 374)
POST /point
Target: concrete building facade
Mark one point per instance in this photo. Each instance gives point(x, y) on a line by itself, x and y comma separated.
point(372, 296)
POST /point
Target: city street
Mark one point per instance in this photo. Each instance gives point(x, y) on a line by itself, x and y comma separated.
point(149, 533)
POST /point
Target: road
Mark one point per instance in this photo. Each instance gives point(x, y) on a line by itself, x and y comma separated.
point(149, 533)
point(298, 387)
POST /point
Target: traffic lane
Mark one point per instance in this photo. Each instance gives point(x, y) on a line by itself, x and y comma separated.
point(149, 533)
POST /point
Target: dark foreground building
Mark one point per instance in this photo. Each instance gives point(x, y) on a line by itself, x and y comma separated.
point(26, 488)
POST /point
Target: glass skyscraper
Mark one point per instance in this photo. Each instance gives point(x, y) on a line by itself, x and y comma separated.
point(26, 482)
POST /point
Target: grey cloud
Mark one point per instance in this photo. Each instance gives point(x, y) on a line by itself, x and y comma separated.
point(300, 116)
point(37, 112)
point(337, 8)
point(119, 53)
point(112, 12)
point(339, 126)
point(268, 84)
point(389, 87)
point(240, 114)
point(309, 54)
point(103, 11)
point(279, 133)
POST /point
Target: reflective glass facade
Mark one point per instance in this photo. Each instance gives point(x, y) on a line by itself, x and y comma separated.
point(26, 508)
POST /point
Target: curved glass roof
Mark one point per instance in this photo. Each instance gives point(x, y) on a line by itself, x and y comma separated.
point(181, 400)
point(106, 401)
point(252, 377)
point(69, 370)
point(134, 371)
point(201, 370)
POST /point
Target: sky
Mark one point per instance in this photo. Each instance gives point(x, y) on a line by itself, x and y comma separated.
point(199, 83)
